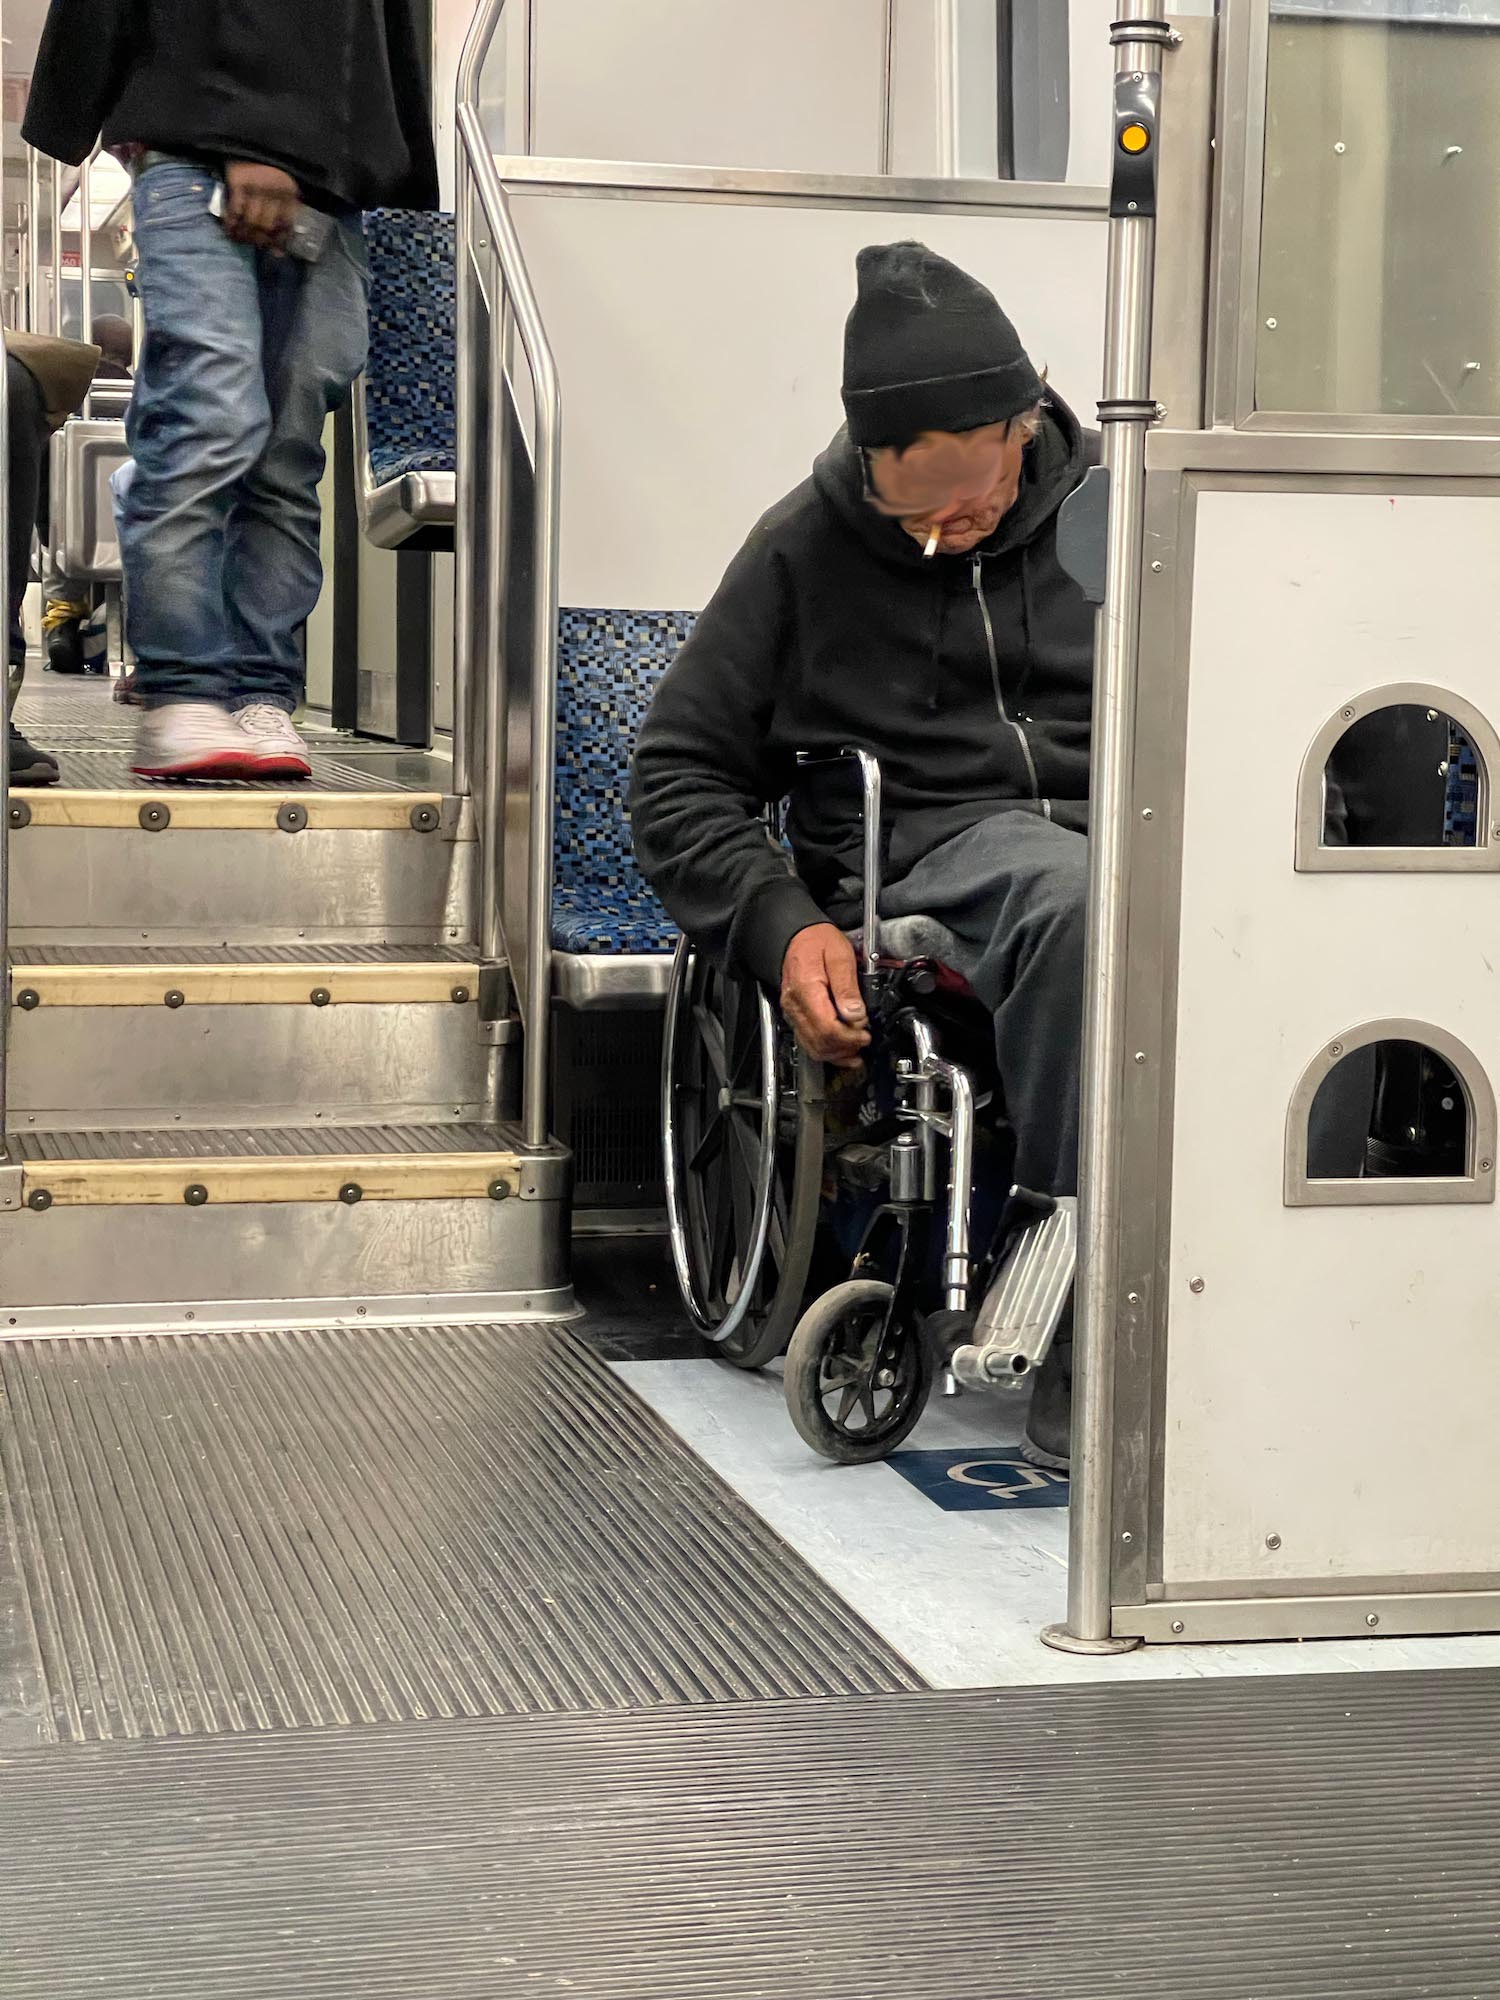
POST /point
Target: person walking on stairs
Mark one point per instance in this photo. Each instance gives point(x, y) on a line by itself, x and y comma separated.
point(256, 131)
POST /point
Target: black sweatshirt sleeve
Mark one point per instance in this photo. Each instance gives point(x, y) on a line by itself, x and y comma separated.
point(704, 771)
point(79, 72)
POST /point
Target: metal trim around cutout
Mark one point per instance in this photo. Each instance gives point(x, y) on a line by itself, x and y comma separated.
point(1313, 858)
point(1477, 1186)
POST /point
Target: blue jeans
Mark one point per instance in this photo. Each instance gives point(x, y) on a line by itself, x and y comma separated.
point(245, 356)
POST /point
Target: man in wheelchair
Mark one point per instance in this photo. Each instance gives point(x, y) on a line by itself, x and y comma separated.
point(906, 600)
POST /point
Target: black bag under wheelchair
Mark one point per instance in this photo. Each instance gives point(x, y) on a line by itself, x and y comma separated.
point(865, 1225)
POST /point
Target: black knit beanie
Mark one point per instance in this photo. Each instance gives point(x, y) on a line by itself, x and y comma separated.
point(927, 348)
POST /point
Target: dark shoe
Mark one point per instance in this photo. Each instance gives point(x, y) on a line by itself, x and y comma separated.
point(1048, 1442)
point(28, 765)
point(65, 649)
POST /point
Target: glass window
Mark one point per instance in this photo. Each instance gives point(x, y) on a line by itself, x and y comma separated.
point(1380, 240)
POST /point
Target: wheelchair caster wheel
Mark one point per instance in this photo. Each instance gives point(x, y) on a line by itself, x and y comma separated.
point(856, 1381)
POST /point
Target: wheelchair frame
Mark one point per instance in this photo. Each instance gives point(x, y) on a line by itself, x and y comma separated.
point(748, 1167)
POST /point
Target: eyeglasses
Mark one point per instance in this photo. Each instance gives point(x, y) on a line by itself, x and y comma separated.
point(1024, 427)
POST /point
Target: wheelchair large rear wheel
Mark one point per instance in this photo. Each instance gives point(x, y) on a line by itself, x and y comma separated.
point(742, 1116)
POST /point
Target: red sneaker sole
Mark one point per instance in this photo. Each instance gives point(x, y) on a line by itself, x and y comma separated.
point(216, 764)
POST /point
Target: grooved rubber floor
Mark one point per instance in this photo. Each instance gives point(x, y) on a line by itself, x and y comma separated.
point(109, 771)
point(1316, 1839)
point(227, 1532)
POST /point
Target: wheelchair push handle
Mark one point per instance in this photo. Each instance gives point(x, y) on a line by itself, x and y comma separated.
point(870, 812)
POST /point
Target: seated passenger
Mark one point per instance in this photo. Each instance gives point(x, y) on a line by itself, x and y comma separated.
point(906, 599)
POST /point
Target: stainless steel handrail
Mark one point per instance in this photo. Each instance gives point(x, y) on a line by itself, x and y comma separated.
point(5, 746)
point(515, 302)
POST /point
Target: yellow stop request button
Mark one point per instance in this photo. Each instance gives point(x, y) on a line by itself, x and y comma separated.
point(1135, 139)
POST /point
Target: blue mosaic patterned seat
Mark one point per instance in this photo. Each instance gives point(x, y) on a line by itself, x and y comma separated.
point(1461, 800)
point(410, 376)
point(609, 663)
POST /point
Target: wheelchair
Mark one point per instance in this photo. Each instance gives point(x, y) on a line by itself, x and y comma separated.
point(864, 1226)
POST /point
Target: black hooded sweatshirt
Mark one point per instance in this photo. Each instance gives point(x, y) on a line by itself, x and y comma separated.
point(970, 678)
point(333, 92)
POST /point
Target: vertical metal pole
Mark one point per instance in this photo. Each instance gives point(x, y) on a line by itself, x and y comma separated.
point(86, 248)
point(464, 492)
point(1126, 413)
point(888, 88)
point(33, 240)
point(5, 746)
point(56, 205)
point(491, 799)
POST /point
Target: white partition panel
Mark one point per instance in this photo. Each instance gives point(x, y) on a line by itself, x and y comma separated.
point(699, 347)
point(1309, 1376)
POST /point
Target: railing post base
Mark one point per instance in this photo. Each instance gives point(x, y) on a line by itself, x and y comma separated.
point(1061, 1640)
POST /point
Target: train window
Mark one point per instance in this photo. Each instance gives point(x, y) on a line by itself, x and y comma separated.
point(1380, 259)
point(1399, 779)
point(1391, 1112)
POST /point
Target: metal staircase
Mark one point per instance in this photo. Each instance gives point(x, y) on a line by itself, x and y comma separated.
point(255, 1069)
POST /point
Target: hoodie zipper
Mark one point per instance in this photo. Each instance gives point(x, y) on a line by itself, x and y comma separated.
point(1005, 715)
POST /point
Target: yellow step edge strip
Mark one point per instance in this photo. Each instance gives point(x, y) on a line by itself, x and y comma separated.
point(323, 1177)
point(230, 811)
point(242, 985)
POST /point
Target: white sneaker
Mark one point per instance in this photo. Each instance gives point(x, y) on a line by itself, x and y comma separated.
point(276, 748)
point(191, 739)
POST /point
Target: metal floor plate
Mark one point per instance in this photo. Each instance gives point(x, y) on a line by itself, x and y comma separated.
point(240, 954)
point(254, 1142)
point(1315, 1839)
point(226, 1532)
point(108, 770)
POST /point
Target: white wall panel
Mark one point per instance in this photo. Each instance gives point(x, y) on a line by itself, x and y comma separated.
point(699, 348)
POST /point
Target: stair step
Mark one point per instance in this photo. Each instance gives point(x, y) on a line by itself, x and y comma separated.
point(103, 1223)
point(158, 1166)
point(289, 809)
point(233, 1034)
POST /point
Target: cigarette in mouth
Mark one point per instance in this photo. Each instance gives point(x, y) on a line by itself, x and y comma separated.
point(932, 544)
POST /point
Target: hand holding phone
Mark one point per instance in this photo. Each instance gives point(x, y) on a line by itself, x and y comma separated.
point(261, 204)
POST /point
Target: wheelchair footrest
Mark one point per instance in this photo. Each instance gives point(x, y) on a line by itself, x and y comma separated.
point(1024, 1304)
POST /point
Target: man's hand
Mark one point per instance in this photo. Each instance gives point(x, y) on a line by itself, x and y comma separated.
point(262, 204)
point(820, 996)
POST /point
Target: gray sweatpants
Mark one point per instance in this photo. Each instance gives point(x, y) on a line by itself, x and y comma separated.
point(1013, 892)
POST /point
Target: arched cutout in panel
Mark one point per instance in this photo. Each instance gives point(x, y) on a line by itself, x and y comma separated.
point(1399, 780)
point(1388, 1113)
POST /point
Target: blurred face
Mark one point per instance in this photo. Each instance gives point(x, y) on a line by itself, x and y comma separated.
point(960, 484)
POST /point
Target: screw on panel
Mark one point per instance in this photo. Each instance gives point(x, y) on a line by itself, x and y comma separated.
point(39, 1199)
point(1372, 1619)
point(20, 813)
point(1485, 1165)
point(1340, 148)
point(28, 997)
point(1126, 1537)
point(291, 818)
point(350, 1193)
point(1147, 813)
point(1157, 568)
point(1195, 1284)
point(1140, 1055)
point(1347, 714)
point(155, 818)
point(1335, 1048)
point(1453, 153)
point(1273, 1542)
point(195, 1194)
point(320, 996)
point(175, 998)
point(459, 995)
point(499, 1190)
point(1132, 1298)
point(424, 818)
point(1271, 323)
point(1177, 1625)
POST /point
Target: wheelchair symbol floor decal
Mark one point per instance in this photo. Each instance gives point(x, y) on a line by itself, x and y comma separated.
point(960, 1481)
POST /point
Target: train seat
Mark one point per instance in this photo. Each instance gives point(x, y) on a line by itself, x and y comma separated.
point(611, 936)
point(405, 419)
